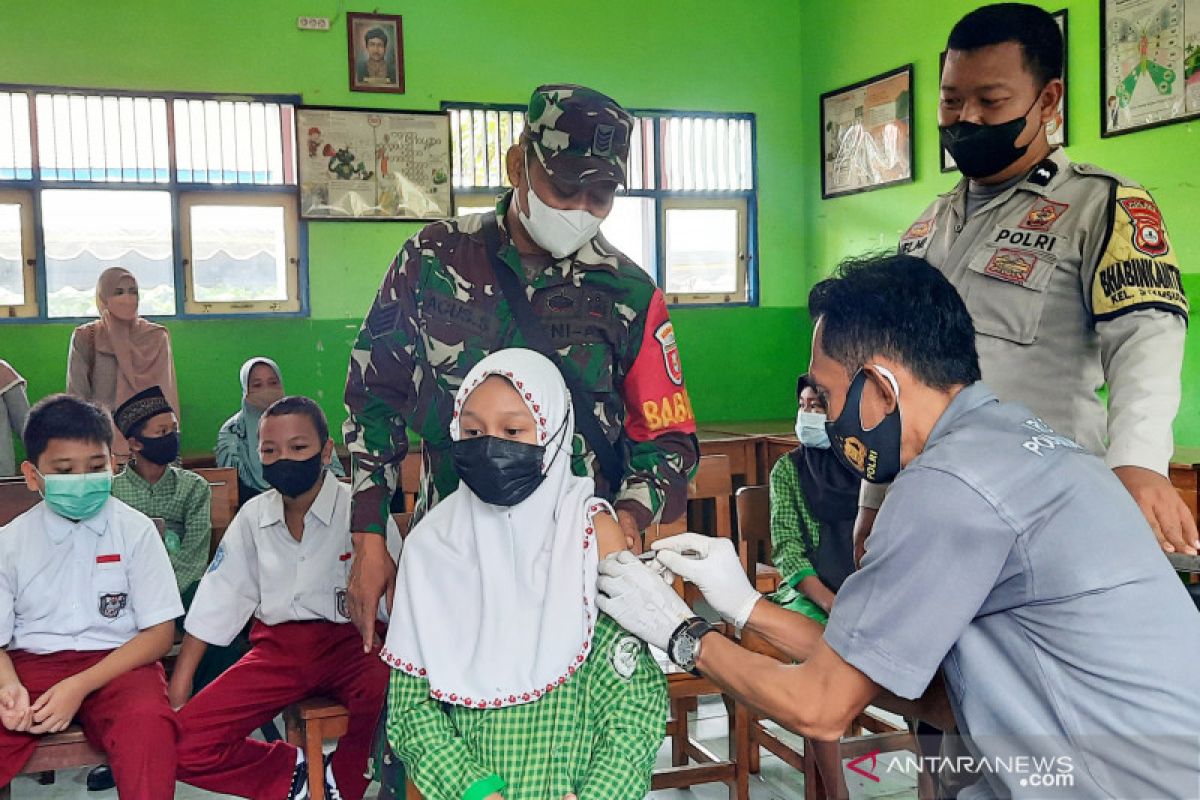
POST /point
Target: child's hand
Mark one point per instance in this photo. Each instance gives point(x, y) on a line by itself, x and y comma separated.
point(15, 713)
point(55, 709)
point(178, 691)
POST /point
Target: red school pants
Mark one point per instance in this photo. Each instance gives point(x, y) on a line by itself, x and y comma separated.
point(128, 719)
point(286, 663)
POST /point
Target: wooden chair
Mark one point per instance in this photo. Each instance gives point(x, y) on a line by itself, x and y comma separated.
point(15, 499)
point(410, 479)
point(224, 485)
point(55, 751)
point(753, 506)
point(403, 520)
point(308, 724)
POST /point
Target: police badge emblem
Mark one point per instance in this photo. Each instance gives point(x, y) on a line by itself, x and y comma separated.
point(111, 605)
point(623, 655)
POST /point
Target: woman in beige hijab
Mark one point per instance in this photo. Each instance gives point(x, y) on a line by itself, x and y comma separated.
point(120, 354)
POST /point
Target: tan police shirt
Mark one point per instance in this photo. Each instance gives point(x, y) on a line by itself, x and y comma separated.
point(1072, 283)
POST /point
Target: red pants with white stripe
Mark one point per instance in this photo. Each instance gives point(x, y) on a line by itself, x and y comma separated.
point(286, 663)
point(128, 719)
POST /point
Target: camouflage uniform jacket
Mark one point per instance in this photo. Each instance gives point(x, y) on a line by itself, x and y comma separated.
point(438, 312)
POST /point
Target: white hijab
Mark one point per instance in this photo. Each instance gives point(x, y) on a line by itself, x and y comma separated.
point(495, 606)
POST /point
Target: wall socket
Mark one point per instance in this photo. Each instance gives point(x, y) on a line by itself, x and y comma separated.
point(312, 23)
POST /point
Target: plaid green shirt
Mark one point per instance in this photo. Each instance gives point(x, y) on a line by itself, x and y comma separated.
point(184, 500)
point(793, 525)
point(595, 735)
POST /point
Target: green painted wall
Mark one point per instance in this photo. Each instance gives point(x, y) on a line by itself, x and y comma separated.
point(644, 53)
point(854, 39)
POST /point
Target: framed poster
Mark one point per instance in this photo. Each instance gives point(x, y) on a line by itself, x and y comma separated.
point(866, 135)
point(369, 164)
point(376, 49)
point(1150, 63)
point(1056, 129)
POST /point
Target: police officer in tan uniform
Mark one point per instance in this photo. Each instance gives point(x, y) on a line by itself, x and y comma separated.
point(1067, 270)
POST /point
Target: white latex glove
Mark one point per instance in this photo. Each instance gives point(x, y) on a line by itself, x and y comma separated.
point(630, 593)
point(714, 567)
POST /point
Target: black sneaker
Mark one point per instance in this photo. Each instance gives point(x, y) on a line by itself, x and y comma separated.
point(331, 790)
point(299, 790)
point(101, 779)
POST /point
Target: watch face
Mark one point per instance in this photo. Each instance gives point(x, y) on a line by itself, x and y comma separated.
point(685, 651)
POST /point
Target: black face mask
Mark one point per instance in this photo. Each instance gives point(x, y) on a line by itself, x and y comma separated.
point(293, 478)
point(873, 454)
point(983, 150)
point(500, 471)
point(160, 450)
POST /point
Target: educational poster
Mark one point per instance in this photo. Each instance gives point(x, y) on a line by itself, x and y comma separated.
point(1056, 128)
point(373, 165)
point(866, 134)
point(1151, 54)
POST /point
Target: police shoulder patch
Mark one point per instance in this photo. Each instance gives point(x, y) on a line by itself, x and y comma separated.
point(624, 655)
point(1138, 268)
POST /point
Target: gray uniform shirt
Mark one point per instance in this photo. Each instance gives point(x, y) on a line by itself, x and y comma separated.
point(1072, 283)
point(1015, 560)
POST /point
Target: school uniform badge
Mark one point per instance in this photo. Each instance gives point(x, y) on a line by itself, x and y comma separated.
point(339, 602)
point(111, 605)
point(217, 558)
point(624, 655)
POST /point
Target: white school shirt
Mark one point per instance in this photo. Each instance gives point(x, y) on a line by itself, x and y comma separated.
point(88, 585)
point(260, 569)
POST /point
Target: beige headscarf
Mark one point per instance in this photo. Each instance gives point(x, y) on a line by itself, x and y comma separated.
point(142, 349)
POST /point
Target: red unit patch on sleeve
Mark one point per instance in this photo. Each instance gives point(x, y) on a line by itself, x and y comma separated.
point(656, 399)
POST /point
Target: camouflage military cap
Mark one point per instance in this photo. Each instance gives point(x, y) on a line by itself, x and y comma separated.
point(579, 135)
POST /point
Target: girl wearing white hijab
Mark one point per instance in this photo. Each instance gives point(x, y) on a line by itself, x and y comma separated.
point(507, 678)
point(237, 441)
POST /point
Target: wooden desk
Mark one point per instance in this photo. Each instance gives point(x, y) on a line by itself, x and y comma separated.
point(755, 428)
point(1185, 476)
point(741, 450)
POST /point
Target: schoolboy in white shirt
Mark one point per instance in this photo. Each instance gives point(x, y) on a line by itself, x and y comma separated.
point(87, 603)
point(284, 560)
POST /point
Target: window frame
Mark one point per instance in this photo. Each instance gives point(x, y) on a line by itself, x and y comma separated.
point(29, 250)
point(743, 201)
point(178, 190)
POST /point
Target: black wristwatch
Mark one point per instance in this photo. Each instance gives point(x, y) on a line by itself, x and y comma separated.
point(683, 648)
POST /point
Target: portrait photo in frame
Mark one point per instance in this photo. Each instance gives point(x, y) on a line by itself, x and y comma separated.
point(1056, 129)
point(866, 134)
point(376, 52)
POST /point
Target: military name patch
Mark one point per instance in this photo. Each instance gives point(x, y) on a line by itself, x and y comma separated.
point(1013, 266)
point(1149, 236)
point(624, 654)
point(112, 604)
point(1043, 215)
point(665, 336)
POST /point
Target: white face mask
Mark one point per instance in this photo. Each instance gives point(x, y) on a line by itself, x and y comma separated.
point(810, 429)
point(558, 231)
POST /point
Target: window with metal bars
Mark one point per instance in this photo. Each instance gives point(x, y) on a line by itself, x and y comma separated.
point(194, 194)
point(687, 217)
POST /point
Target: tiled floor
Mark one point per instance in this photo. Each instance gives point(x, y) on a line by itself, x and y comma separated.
point(777, 781)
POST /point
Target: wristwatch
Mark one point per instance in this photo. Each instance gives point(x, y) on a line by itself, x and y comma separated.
point(683, 648)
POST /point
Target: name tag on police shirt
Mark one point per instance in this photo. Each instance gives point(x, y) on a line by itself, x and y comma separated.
point(1040, 241)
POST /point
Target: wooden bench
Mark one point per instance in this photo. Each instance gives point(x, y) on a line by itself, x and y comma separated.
point(55, 751)
point(223, 482)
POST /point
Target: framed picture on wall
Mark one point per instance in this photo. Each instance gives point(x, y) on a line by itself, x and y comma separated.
point(368, 164)
point(866, 134)
point(1149, 64)
point(376, 45)
point(1056, 129)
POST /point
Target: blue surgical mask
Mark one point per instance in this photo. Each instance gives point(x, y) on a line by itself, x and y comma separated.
point(810, 430)
point(77, 496)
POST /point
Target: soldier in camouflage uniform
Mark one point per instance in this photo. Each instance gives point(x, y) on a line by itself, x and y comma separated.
point(440, 310)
